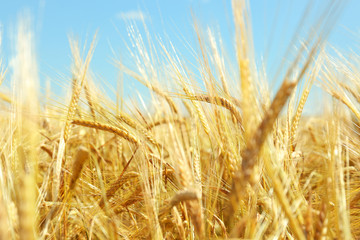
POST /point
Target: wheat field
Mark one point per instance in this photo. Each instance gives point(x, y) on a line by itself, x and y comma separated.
point(229, 160)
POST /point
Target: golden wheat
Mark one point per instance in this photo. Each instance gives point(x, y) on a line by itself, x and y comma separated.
point(232, 166)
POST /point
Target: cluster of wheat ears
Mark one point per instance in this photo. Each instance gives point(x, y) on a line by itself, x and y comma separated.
point(223, 161)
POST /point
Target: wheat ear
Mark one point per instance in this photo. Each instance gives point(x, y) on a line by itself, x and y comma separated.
point(108, 128)
point(304, 96)
point(81, 158)
point(60, 160)
point(220, 101)
point(243, 48)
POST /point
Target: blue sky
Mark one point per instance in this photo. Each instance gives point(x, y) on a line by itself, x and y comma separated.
point(274, 22)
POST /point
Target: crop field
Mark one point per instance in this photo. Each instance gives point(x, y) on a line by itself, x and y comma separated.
point(212, 153)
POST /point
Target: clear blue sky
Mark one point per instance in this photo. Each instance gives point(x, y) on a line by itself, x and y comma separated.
point(54, 21)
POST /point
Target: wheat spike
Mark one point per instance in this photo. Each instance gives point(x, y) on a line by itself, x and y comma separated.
point(80, 159)
point(221, 101)
point(108, 128)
